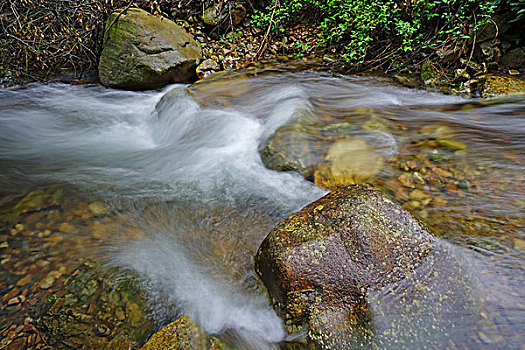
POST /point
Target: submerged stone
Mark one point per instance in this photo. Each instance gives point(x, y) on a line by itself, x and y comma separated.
point(293, 147)
point(331, 153)
point(142, 51)
point(92, 309)
point(318, 263)
point(347, 162)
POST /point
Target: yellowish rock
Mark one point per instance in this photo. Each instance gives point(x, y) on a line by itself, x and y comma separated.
point(438, 202)
point(348, 162)
point(441, 131)
point(135, 233)
point(412, 205)
point(182, 334)
point(24, 280)
point(407, 180)
point(99, 230)
point(519, 244)
point(418, 195)
point(451, 144)
point(497, 86)
point(442, 172)
point(47, 282)
point(97, 208)
point(67, 227)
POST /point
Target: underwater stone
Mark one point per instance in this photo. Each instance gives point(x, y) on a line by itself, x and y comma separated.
point(85, 311)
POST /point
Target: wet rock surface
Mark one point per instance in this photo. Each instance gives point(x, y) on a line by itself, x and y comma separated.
point(182, 334)
point(318, 263)
point(502, 86)
point(330, 152)
point(92, 308)
point(142, 51)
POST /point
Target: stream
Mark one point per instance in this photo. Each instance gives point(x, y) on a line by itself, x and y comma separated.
point(187, 199)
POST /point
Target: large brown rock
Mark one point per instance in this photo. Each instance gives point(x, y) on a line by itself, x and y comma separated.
point(142, 51)
point(319, 263)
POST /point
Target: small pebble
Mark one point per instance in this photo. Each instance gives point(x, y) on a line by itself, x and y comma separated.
point(97, 208)
point(519, 244)
point(16, 300)
point(24, 280)
point(418, 195)
point(46, 282)
point(438, 202)
point(442, 172)
point(464, 185)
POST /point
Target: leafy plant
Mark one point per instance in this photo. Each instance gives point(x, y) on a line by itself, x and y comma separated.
point(380, 29)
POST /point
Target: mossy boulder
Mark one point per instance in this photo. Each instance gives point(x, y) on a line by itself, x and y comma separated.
point(319, 263)
point(142, 51)
point(96, 308)
point(182, 334)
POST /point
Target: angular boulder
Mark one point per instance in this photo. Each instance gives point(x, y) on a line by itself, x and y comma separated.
point(142, 51)
point(319, 263)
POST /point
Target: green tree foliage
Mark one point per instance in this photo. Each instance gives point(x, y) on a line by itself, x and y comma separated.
point(382, 30)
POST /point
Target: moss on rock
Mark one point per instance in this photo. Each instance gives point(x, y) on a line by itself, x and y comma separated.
point(318, 263)
point(142, 51)
point(182, 334)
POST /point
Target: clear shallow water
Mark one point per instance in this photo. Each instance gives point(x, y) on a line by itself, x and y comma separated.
point(183, 166)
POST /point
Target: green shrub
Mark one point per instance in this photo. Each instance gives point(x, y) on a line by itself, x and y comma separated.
point(363, 29)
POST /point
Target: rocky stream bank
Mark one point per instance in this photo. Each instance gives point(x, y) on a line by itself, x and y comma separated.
point(58, 296)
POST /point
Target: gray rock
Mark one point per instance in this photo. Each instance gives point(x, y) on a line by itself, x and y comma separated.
point(224, 16)
point(142, 51)
point(514, 58)
point(207, 68)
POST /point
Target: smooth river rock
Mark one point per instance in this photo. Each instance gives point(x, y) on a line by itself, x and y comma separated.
point(319, 263)
point(331, 153)
point(142, 51)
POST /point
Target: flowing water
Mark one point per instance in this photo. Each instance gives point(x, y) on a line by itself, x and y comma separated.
point(190, 199)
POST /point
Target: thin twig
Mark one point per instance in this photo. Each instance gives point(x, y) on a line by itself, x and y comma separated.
point(115, 19)
point(264, 42)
